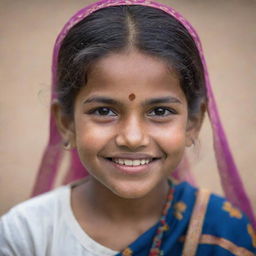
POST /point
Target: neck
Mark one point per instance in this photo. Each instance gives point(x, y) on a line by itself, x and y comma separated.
point(107, 204)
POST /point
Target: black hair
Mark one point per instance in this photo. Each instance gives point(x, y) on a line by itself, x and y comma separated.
point(114, 29)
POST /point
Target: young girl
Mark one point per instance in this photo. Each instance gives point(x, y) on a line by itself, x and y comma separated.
point(130, 90)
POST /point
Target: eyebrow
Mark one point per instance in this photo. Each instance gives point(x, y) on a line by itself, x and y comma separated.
point(159, 100)
point(100, 99)
point(110, 101)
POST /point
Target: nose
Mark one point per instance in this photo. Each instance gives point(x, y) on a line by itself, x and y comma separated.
point(132, 134)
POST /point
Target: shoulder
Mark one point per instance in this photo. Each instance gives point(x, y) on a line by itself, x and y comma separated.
point(185, 192)
point(39, 206)
point(226, 224)
point(223, 212)
point(30, 221)
point(219, 210)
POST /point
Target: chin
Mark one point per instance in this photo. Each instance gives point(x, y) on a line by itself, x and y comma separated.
point(131, 191)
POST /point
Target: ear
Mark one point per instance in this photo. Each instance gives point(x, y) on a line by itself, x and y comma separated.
point(194, 125)
point(65, 125)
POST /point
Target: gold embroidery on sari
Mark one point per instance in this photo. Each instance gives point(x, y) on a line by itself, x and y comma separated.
point(196, 223)
point(224, 243)
point(233, 211)
point(252, 233)
point(179, 208)
point(127, 252)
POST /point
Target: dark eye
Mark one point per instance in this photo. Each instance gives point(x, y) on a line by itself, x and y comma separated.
point(161, 111)
point(103, 111)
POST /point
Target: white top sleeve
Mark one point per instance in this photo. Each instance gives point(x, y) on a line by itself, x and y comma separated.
point(14, 238)
point(46, 226)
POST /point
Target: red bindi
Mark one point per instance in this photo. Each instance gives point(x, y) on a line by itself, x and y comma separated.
point(132, 97)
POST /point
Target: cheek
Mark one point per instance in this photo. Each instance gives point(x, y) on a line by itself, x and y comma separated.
point(174, 142)
point(91, 139)
point(173, 133)
point(171, 139)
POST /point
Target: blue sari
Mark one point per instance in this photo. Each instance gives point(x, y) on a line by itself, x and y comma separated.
point(226, 230)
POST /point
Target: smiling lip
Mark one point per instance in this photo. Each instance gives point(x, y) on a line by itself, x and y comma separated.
point(132, 164)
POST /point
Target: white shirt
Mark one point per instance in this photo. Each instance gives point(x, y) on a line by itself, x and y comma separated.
point(46, 226)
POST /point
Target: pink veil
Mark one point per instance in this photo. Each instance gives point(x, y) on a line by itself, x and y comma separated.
point(53, 154)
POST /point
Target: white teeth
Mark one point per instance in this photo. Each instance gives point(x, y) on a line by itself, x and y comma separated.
point(130, 162)
point(136, 162)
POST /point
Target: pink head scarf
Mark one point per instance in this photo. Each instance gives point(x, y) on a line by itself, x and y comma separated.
point(230, 180)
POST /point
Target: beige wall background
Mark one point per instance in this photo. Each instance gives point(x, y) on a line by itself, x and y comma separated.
point(27, 33)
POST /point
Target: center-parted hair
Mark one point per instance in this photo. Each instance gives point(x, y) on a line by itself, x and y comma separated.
point(119, 28)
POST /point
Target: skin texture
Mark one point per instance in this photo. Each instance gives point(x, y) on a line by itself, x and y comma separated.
point(107, 124)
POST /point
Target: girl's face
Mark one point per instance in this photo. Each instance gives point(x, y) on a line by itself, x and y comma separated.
point(131, 123)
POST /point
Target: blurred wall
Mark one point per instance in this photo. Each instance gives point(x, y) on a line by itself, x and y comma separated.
point(27, 33)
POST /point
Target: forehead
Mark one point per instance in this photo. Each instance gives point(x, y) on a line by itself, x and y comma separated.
point(132, 72)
